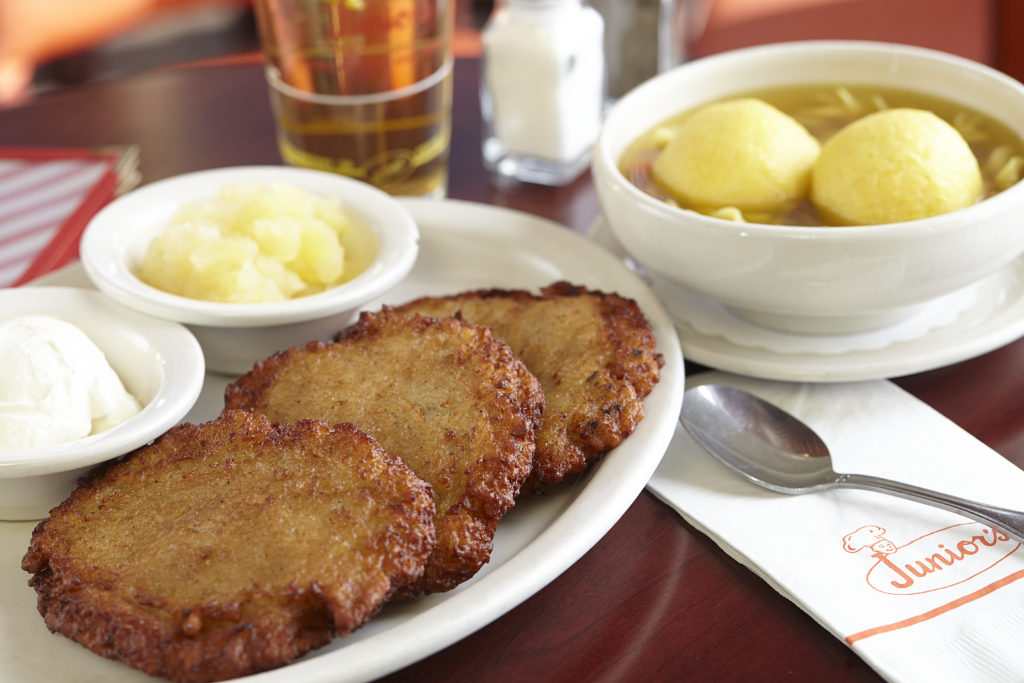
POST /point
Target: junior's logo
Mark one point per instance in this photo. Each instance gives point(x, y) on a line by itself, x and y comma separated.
point(932, 562)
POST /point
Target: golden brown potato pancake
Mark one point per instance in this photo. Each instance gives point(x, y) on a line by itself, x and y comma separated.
point(443, 395)
point(231, 547)
point(594, 354)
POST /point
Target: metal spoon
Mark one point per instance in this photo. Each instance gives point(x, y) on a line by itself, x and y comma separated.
point(772, 448)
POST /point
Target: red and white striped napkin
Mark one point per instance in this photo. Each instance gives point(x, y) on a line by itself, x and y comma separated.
point(47, 197)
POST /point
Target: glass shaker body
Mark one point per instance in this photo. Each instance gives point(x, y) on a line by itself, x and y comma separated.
point(542, 89)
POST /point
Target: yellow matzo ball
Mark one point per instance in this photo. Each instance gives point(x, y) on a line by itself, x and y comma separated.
point(892, 166)
point(743, 153)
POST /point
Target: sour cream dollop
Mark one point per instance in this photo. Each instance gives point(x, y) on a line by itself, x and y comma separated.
point(56, 385)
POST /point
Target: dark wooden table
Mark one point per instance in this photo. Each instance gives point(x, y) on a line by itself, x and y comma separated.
point(654, 599)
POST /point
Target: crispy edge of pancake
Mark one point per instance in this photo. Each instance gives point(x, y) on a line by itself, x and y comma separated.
point(257, 627)
point(631, 375)
point(515, 398)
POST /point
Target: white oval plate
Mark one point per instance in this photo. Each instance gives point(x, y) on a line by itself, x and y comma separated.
point(463, 245)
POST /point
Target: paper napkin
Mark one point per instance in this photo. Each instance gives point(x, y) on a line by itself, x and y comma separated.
point(47, 196)
point(919, 593)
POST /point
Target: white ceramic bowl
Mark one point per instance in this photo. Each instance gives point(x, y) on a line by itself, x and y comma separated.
point(159, 362)
point(808, 279)
point(234, 336)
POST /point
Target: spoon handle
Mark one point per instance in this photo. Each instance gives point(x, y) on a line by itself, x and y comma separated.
point(1009, 521)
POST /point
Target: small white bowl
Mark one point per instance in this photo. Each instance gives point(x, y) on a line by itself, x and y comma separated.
point(159, 362)
point(234, 336)
point(808, 279)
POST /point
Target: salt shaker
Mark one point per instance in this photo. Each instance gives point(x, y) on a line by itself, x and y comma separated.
point(542, 89)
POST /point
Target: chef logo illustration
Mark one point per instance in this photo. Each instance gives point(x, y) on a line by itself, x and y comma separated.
point(931, 562)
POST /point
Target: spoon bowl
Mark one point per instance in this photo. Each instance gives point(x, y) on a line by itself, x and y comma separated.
point(777, 451)
point(757, 439)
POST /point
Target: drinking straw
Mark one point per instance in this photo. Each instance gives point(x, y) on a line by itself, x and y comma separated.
point(402, 40)
point(283, 48)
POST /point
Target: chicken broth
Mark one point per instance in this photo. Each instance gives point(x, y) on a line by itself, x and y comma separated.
point(825, 109)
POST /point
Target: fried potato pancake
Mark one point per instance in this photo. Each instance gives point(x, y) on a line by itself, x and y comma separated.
point(443, 395)
point(594, 354)
point(231, 547)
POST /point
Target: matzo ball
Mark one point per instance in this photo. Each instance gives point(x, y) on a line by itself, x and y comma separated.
point(742, 153)
point(892, 166)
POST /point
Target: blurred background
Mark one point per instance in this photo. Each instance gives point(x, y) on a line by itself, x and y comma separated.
point(68, 42)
